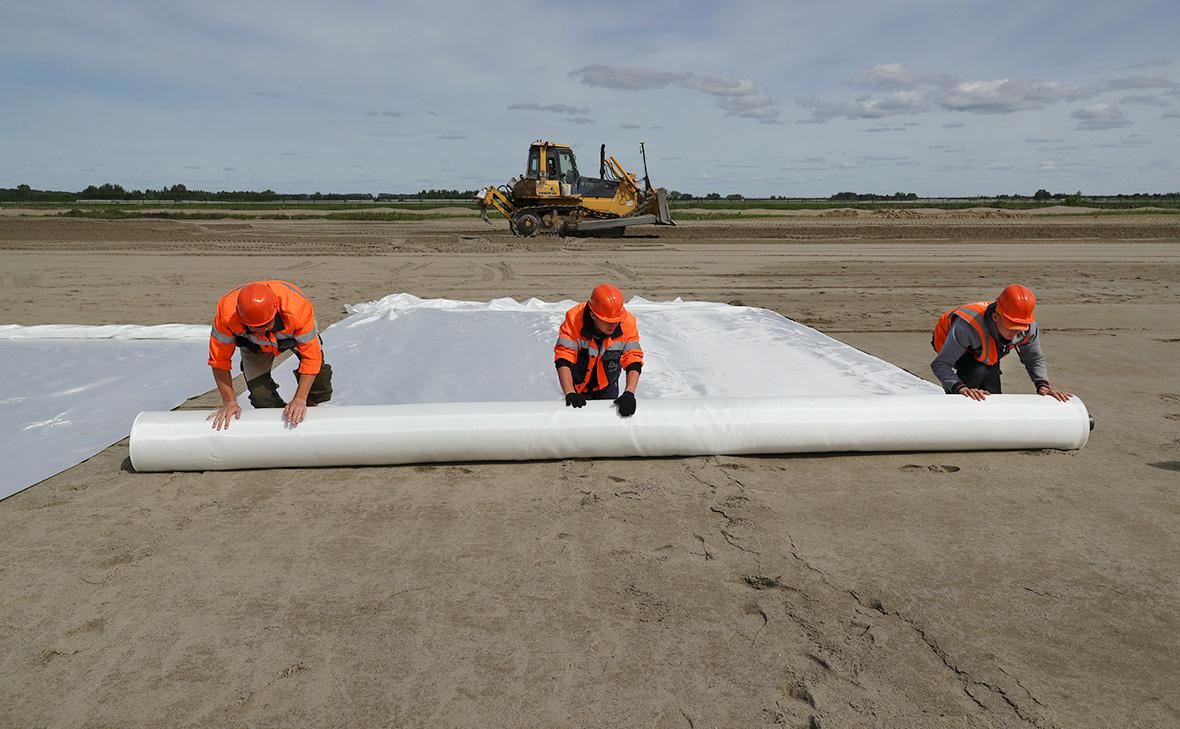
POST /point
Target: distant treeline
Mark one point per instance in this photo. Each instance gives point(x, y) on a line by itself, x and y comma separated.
point(1038, 196)
point(111, 191)
point(179, 193)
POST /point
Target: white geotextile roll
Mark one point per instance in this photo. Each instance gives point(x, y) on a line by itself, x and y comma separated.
point(521, 431)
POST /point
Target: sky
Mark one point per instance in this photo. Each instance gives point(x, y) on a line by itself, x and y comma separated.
point(798, 99)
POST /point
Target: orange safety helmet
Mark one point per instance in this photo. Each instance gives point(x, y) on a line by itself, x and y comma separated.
point(257, 304)
point(1016, 303)
point(606, 303)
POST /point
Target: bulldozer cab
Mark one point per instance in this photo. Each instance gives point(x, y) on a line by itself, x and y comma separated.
point(551, 162)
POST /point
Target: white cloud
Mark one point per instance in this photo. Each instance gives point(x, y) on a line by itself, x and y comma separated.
point(626, 79)
point(1002, 96)
point(897, 90)
point(1130, 83)
point(551, 108)
point(1100, 117)
point(897, 76)
point(1063, 166)
point(1146, 100)
point(737, 97)
point(1128, 142)
point(867, 106)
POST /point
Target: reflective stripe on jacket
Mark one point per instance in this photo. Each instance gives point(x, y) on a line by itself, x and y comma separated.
point(595, 360)
point(977, 316)
point(294, 328)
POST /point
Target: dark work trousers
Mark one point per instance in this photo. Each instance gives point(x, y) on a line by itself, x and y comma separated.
point(264, 391)
point(610, 392)
point(977, 375)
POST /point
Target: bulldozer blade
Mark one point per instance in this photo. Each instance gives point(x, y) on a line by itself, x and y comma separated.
point(483, 214)
point(663, 217)
point(626, 222)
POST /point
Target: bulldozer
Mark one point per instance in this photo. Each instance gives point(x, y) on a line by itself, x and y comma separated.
point(553, 198)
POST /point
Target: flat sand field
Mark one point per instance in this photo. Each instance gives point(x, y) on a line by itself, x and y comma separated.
point(905, 590)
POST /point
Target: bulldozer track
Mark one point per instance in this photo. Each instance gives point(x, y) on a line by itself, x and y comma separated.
point(565, 211)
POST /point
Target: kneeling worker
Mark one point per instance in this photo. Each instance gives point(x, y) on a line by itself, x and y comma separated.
point(597, 341)
point(973, 338)
point(266, 318)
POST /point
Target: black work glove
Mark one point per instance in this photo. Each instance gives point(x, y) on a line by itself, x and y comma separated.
point(626, 404)
point(575, 400)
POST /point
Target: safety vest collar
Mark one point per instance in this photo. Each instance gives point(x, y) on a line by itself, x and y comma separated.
point(277, 331)
point(981, 317)
point(592, 332)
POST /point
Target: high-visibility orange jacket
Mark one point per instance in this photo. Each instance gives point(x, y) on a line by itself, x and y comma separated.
point(294, 328)
point(595, 360)
point(975, 315)
point(969, 329)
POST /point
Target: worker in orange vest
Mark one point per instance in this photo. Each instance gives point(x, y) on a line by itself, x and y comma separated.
point(973, 338)
point(264, 319)
point(597, 341)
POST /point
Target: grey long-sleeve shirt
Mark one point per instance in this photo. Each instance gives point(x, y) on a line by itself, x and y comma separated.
point(963, 337)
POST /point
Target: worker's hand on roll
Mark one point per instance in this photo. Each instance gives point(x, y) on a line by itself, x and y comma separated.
point(974, 393)
point(575, 400)
point(222, 415)
point(626, 404)
point(295, 411)
point(1055, 394)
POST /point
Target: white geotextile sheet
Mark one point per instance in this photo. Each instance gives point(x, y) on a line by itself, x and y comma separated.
point(403, 349)
point(71, 391)
point(75, 389)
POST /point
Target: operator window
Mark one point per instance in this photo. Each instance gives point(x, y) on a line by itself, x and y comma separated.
point(569, 170)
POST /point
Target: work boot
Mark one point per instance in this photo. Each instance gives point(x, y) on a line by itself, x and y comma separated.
point(321, 386)
point(264, 392)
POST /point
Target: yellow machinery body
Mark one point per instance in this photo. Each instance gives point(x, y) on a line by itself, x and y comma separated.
point(554, 198)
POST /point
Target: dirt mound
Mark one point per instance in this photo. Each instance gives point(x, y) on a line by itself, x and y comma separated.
point(899, 214)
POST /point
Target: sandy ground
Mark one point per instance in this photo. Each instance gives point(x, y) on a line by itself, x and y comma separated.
point(906, 590)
